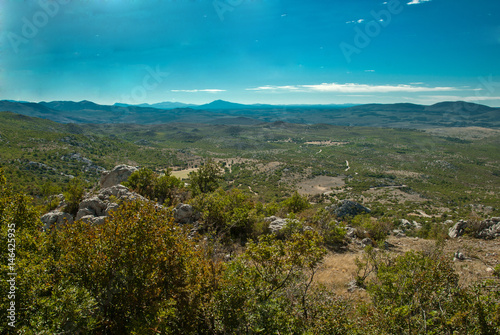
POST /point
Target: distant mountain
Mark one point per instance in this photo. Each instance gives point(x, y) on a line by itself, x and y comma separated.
point(400, 115)
point(221, 104)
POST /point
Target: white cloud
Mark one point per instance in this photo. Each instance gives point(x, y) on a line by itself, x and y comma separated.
point(353, 88)
point(417, 2)
point(356, 21)
point(196, 91)
point(462, 98)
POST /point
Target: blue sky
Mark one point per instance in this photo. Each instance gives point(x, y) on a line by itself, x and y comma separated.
point(250, 51)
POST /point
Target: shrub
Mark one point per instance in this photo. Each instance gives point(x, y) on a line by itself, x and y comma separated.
point(74, 195)
point(268, 289)
point(140, 268)
point(372, 228)
point(419, 293)
point(165, 189)
point(229, 214)
point(206, 179)
point(296, 203)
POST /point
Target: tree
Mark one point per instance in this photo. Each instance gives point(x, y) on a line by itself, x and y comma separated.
point(268, 288)
point(206, 179)
point(74, 195)
point(296, 203)
point(161, 188)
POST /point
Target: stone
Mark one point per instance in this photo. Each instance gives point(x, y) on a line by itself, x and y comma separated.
point(184, 213)
point(94, 220)
point(93, 205)
point(348, 208)
point(459, 256)
point(116, 176)
point(55, 219)
point(367, 242)
point(458, 229)
point(350, 232)
point(277, 224)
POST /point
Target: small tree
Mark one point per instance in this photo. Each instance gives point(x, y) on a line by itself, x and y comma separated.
point(206, 179)
point(161, 188)
point(296, 203)
point(74, 195)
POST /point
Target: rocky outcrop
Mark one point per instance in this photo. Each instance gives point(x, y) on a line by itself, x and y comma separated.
point(55, 219)
point(458, 229)
point(487, 229)
point(185, 214)
point(348, 208)
point(114, 177)
point(96, 208)
point(277, 224)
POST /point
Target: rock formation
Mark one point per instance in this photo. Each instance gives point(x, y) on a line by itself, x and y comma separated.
point(114, 177)
point(348, 208)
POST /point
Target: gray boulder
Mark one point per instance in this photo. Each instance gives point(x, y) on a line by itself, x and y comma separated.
point(348, 208)
point(114, 177)
point(486, 229)
point(458, 229)
point(94, 220)
point(367, 242)
point(55, 219)
point(489, 229)
point(277, 224)
point(185, 214)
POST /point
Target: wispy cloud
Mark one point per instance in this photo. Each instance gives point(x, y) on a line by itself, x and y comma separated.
point(352, 88)
point(356, 21)
point(417, 2)
point(463, 98)
point(196, 91)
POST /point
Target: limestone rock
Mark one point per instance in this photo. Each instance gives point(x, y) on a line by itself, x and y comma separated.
point(56, 219)
point(114, 177)
point(486, 229)
point(184, 213)
point(277, 224)
point(458, 229)
point(348, 208)
point(367, 242)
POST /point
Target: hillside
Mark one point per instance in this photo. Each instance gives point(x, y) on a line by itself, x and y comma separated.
point(445, 114)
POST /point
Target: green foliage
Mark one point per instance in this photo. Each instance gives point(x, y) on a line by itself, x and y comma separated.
point(268, 288)
point(296, 203)
point(333, 232)
point(420, 293)
point(74, 195)
point(206, 179)
point(162, 188)
point(229, 214)
point(372, 228)
point(140, 268)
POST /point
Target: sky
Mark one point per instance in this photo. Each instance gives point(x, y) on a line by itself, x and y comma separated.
point(250, 51)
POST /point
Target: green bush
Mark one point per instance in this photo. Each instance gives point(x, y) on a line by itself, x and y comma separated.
point(165, 189)
point(229, 214)
point(206, 179)
point(74, 195)
point(419, 293)
point(372, 228)
point(296, 203)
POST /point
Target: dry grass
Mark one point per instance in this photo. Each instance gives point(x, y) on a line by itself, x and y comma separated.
point(319, 185)
point(339, 269)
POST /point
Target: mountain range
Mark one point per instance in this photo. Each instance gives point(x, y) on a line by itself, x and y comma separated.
point(399, 115)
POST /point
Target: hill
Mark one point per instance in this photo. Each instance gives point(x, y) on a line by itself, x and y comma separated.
point(401, 115)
